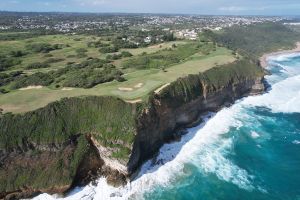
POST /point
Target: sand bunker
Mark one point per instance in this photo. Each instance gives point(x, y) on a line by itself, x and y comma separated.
point(32, 87)
point(126, 89)
point(67, 88)
point(134, 101)
point(139, 85)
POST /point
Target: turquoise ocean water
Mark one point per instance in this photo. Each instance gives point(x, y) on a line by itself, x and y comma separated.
point(250, 150)
point(257, 154)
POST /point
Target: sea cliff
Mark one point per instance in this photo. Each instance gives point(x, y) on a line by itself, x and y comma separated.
point(75, 140)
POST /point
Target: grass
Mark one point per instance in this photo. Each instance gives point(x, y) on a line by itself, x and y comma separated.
point(7, 46)
point(154, 48)
point(18, 101)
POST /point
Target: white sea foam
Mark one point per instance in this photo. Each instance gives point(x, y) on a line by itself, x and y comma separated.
point(284, 96)
point(205, 147)
point(284, 57)
point(254, 135)
point(296, 142)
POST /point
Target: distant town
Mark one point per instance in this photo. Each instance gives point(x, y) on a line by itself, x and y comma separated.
point(182, 26)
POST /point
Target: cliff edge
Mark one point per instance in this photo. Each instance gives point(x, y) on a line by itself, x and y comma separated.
point(75, 140)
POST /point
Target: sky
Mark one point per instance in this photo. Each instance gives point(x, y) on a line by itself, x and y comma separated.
point(211, 7)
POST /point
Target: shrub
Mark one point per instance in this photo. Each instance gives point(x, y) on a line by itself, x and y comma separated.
point(48, 55)
point(80, 50)
point(81, 55)
point(8, 62)
point(162, 58)
point(255, 39)
point(38, 78)
point(17, 53)
point(40, 47)
point(53, 60)
point(3, 91)
point(97, 44)
point(87, 78)
point(110, 49)
point(37, 65)
point(126, 54)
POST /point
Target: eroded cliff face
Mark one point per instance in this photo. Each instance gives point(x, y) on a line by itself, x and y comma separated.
point(168, 114)
point(93, 137)
point(68, 143)
point(33, 168)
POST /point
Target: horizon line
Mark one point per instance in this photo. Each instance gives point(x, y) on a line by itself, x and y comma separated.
point(146, 13)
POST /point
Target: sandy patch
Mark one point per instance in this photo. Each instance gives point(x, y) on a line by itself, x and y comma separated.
point(264, 58)
point(139, 85)
point(126, 89)
point(32, 87)
point(134, 101)
point(162, 87)
point(67, 88)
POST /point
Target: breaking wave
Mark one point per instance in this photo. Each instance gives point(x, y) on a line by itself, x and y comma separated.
point(207, 146)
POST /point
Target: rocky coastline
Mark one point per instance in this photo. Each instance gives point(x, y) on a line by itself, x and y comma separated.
point(175, 107)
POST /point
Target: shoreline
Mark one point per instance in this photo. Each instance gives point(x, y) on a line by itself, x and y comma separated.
point(264, 59)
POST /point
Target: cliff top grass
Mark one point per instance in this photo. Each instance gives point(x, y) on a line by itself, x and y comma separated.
point(110, 120)
point(191, 57)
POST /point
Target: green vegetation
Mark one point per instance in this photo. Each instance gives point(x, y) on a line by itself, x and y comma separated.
point(63, 125)
point(8, 62)
point(140, 82)
point(167, 57)
point(58, 91)
point(87, 78)
point(37, 65)
point(38, 78)
point(107, 118)
point(46, 169)
point(43, 47)
point(254, 40)
point(20, 35)
point(84, 69)
point(6, 78)
point(109, 49)
point(189, 88)
point(123, 54)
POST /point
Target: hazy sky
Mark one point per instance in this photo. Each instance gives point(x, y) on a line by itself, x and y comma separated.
point(229, 7)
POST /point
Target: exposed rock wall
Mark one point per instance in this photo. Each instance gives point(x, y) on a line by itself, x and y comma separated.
point(90, 151)
point(159, 123)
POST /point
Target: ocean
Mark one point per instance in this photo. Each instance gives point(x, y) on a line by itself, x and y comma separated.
point(250, 150)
